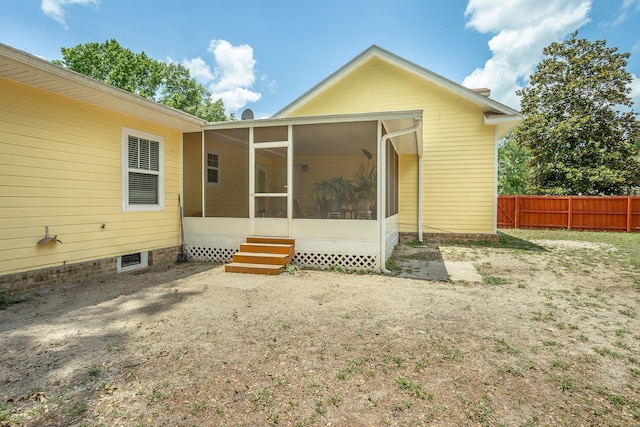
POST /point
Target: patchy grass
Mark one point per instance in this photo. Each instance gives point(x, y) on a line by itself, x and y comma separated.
point(6, 299)
point(552, 341)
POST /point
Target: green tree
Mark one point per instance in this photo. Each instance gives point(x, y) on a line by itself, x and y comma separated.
point(513, 166)
point(169, 84)
point(182, 92)
point(579, 124)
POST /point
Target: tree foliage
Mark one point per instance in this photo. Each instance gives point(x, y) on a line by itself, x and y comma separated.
point(170, 84)
point(579, 124)
point(513, 166)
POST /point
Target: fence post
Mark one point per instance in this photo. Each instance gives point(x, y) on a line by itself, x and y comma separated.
point(517, 215)
point(570, 217)
point(629, 216)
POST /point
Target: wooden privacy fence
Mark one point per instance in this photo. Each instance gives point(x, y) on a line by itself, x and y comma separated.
point(596, 213)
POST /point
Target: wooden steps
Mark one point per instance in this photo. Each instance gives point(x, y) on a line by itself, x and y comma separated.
point(262, 255)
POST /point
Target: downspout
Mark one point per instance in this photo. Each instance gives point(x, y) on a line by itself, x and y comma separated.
point(382, 188)
point(420, 174)
point(203, 176)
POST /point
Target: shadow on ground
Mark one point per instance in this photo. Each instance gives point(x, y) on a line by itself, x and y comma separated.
point(418, 262)
point(424, 260)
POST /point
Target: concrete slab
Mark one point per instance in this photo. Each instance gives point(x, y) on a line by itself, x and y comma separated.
point(462, 271)
point(425, 262)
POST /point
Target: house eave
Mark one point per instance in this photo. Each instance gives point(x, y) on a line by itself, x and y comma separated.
point(485, 102)
point(22, 67)
point(504, 123)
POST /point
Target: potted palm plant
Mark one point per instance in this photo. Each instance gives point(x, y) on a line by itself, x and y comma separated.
point(332, 193)
point(365, 185)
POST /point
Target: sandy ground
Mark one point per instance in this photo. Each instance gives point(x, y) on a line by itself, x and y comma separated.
point(549, 335)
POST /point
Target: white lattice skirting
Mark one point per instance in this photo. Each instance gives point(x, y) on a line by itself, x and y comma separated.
point(322, 261)
point(326, 260)
point(211, 254)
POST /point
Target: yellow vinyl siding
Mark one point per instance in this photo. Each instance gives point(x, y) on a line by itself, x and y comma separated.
point(61, 166)
point(459, 157)
point(408, 192)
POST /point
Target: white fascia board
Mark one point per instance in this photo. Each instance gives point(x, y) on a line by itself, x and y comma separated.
point(503, 123)
point(305, 120)
point(393, 59)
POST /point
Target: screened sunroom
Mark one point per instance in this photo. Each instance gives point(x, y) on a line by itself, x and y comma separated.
point(329, 182)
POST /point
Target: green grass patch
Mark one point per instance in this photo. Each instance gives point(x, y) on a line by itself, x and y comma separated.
point(392, 266)
point(4, 412)
point(503, 347)
point(493, 280)
point(413, 388)
point(6, 299)
point(261, 398)
point(158, 393)
point(625, 247)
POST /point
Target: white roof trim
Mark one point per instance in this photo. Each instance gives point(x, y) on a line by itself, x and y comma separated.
point(375, 51)
point(28, 69)
point(503, 123)
point(305, 120)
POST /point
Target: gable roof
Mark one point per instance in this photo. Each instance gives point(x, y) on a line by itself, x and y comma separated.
point(491, 107)
point(28, 69)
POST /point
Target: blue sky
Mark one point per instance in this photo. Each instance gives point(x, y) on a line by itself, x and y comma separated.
point(263, 54)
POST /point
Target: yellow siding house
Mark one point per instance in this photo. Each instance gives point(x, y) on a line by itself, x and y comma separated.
point(89, 175)
point(457, 191)
point(380, 148)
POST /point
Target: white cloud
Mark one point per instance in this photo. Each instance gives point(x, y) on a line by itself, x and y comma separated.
point(231, 78)
point(272, 85)
point(199, 69)
point(56, 8)
point(522, 29)
point(635, 92)
point(236, 98)
point(234, 74)
point(626, 8)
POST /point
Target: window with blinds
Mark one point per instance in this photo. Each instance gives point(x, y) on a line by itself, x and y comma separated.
point(142, 171)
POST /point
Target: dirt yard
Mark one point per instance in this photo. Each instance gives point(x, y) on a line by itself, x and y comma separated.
point(549, 336)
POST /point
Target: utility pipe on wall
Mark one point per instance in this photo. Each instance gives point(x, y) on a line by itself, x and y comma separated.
point(420, 239)
point(382, 188)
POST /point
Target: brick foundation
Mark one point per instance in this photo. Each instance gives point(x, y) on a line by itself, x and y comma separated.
point(27, 281)
point(449, 237)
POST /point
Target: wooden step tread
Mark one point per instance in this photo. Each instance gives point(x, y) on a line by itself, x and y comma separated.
point(250, 268)
point(268, 245)
point(268, 248)
point(277, 240)
point(261, 258)
point(261, 254)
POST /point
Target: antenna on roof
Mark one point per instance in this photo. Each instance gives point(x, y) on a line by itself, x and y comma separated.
point(247, 114)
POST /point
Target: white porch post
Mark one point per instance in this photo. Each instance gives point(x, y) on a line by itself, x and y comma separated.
point(252, 181)
point(382, 187)
point(381, 211)
point(289, 177)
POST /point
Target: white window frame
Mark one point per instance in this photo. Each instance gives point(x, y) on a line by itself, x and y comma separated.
point(207, 167)
point(126, 207)
point(144, 263)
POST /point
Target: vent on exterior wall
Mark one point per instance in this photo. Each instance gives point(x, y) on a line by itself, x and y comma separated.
point(133, 261)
